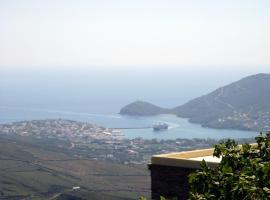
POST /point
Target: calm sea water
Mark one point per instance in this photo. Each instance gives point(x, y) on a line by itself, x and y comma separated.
point(96, 96)
point(178, 127)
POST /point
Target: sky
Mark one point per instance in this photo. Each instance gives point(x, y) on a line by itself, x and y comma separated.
point(122, 33)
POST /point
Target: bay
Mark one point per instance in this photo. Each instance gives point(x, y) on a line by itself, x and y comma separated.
point(178, 127)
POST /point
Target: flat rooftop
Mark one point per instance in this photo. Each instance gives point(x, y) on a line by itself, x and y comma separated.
point(186, 159)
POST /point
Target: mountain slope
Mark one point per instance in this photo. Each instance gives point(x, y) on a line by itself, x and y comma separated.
point(244, 104)
point(37, 169)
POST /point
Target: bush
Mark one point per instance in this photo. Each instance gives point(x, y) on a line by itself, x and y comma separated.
point(243, 173)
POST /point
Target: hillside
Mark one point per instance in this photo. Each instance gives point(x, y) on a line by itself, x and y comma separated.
point(36, 169)
point(244, 104)
point(141, 108)
point(45, 159)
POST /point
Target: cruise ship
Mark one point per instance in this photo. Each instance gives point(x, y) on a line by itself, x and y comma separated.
point(160, 126)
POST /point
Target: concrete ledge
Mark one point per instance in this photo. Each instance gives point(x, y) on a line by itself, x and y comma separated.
point(186, 159)
point(169, 172)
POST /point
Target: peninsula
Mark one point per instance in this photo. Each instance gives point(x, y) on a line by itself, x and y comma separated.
point(242, 105)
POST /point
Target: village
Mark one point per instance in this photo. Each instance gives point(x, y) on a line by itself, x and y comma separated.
point(85, 140)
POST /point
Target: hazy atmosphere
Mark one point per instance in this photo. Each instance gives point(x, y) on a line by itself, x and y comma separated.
point(118, 33)
point(111, 99)
point(95, 57)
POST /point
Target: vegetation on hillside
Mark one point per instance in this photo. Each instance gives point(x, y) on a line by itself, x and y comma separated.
point(234, 106)
point(44, 169)
point(243, 173)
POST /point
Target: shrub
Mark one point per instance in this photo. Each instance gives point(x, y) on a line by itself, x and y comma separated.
point(243, 173)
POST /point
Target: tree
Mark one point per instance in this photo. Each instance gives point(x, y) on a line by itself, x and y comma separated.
point(243, 173)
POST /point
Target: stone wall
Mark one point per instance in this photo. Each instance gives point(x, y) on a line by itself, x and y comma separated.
point(169, 181)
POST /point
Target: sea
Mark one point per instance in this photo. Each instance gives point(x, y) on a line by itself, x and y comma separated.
point(96, 96)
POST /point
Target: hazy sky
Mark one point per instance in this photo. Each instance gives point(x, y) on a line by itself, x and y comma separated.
point(138, 32)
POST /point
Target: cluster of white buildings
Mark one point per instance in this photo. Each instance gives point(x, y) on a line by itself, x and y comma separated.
point(61, 129)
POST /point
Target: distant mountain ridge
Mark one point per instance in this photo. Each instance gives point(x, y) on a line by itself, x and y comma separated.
point(244, 105)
